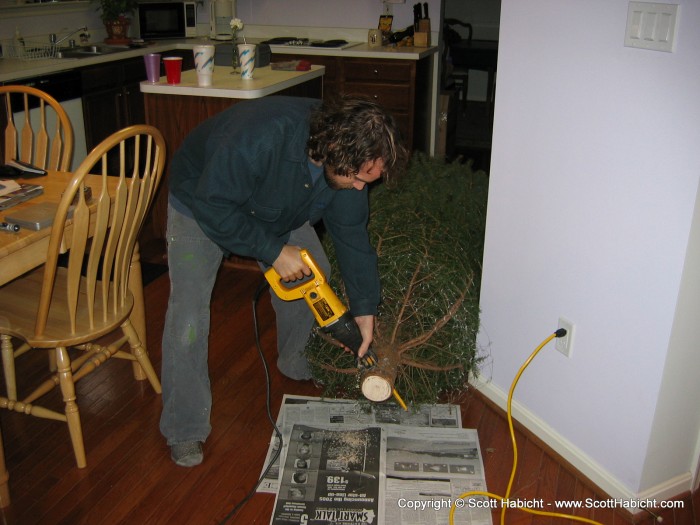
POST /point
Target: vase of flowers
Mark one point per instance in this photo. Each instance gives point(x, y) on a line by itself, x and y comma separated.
point(236, 26)
point(114, 15)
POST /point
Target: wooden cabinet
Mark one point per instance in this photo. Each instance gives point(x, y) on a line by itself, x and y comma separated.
point(111, 98)
point(401, 86)
point(111, 101)
point(389, 82)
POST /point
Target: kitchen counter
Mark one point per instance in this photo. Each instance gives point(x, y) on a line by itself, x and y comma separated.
point(15, 69)
point(265, 81)
point(361, 50)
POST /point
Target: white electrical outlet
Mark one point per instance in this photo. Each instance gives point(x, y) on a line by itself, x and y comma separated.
point(565, 344)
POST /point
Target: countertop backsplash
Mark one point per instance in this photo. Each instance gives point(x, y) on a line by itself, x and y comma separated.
point(323, 19)
point(329, 13)
point(36, 22)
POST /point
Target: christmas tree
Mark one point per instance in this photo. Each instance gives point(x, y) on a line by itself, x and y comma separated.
point(428, 230)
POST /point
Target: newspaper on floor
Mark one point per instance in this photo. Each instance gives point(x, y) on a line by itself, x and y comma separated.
point(427, 470)
point(426, 461)
point(373, 475)
point(314, 410)
point(331, 475)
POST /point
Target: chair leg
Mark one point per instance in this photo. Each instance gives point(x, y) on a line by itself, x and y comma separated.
point(52, 362)
point(138, 315)
point(4, 478)
point(138, 351)
point(8, 364)
point(65, 378)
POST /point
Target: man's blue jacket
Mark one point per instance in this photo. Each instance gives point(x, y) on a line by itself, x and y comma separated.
point(244, 175)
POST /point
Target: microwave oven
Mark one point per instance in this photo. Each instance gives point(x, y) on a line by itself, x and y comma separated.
point(158, 20)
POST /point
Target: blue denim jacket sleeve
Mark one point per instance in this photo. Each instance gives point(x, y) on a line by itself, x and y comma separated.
point(346, 221)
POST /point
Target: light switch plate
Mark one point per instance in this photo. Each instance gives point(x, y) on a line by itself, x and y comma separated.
point(651, 26)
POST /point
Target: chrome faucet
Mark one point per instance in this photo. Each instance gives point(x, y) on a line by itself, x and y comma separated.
point(54, 41)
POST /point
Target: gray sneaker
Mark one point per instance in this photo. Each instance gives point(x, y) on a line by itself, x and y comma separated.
point(187, 454)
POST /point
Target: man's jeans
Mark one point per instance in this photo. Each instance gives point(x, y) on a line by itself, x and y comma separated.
point(194, 261)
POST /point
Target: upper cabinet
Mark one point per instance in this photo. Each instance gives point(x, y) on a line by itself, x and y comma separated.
point(18, 8)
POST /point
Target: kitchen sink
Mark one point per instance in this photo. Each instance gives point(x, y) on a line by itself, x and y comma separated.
point(87, 51)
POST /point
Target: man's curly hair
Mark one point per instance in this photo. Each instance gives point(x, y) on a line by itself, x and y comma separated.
point(348, 131)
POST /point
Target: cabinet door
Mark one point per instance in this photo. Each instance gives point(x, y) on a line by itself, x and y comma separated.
point(112, 100)
point(133, 105)
point(102, 101)
point(103, 115)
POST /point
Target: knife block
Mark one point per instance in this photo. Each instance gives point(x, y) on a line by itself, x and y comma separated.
point(421, 36)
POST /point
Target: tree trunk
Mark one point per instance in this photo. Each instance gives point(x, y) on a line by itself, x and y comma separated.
point(377, 382)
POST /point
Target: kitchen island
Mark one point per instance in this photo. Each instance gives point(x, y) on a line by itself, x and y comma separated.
point(177, 109)
point(229, 85)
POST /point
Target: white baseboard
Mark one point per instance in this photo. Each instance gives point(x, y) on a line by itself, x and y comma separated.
point(584, 464)
point(668, 489)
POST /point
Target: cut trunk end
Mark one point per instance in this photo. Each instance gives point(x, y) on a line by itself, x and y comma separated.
point(376, 388)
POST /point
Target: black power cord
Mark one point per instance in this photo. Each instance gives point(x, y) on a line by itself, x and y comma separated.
point(261, 288)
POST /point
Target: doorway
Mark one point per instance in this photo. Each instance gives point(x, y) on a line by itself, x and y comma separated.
point(470, 76)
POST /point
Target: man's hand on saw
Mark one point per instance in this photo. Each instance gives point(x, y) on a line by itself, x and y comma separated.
point(289, 264)
point(366, 326)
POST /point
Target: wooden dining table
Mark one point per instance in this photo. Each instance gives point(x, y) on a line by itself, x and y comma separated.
point(25, 250)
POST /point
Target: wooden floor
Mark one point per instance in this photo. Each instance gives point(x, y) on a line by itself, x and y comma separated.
point(131, 479)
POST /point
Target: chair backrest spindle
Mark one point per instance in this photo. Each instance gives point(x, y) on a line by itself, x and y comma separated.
point(47, 151)
point(102, 233)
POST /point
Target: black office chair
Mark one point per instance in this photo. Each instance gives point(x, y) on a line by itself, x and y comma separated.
point(454, 75)
point(467, 54)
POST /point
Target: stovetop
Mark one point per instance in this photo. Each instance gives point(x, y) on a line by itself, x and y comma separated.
point(290, 41)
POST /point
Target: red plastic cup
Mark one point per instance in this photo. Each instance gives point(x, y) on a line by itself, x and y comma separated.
point(173, 69)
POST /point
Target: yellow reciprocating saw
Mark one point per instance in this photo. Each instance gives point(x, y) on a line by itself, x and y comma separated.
point(332, 315)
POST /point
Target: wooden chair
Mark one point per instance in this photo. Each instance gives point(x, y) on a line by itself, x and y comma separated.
point(59, 307)
point(51, 146)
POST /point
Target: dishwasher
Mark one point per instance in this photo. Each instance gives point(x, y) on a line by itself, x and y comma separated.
point(66, 88)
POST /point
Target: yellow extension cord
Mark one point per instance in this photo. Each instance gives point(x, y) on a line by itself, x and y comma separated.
point(515, 459)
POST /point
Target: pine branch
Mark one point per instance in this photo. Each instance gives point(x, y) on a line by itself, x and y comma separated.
point(405, 303)
point(423, 338)
point(428, 366)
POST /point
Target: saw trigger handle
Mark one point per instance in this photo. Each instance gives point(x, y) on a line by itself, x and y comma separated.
point(297, 290)
point(315, 290)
